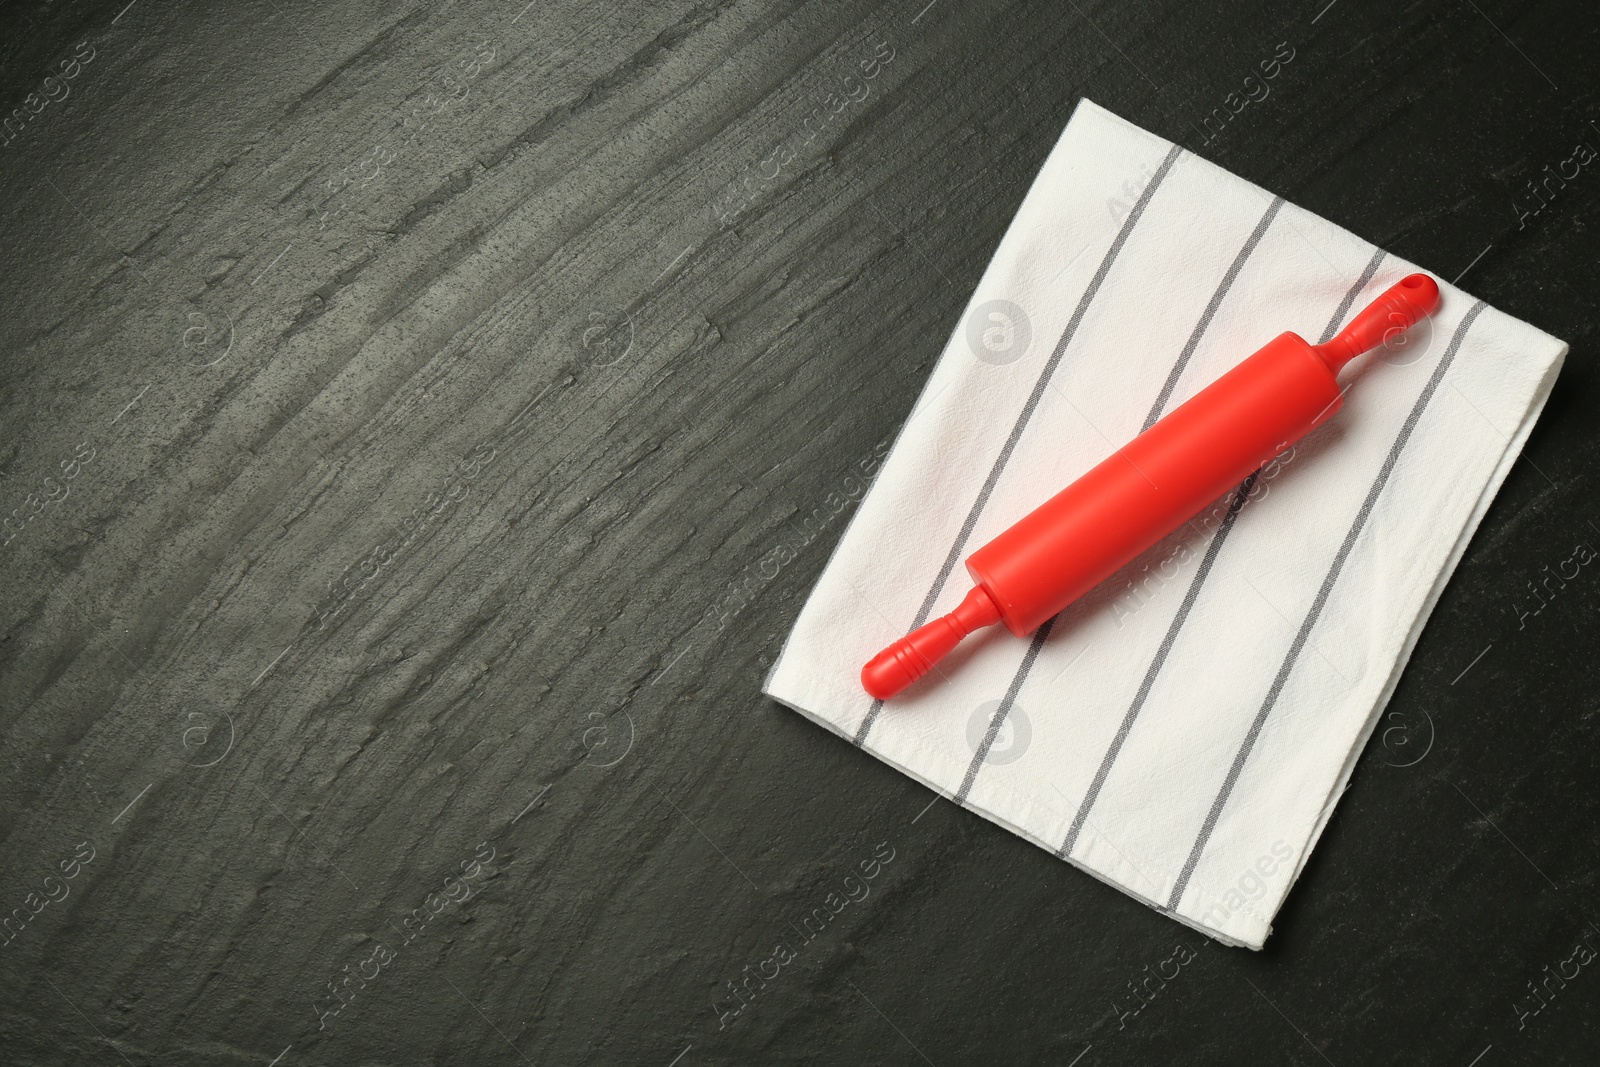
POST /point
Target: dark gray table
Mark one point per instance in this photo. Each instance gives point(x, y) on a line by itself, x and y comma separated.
point(388, 393)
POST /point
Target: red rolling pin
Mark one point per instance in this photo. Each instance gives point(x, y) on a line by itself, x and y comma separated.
point(1152, 485)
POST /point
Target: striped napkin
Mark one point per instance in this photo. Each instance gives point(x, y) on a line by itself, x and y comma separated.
point(1183, 731)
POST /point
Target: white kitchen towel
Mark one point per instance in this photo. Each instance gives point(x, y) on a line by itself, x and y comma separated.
point(1183, 731)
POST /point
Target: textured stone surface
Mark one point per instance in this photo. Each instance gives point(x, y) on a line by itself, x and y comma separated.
point(408, 381)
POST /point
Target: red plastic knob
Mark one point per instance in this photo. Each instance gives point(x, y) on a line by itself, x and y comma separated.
point(1401, 307)
point(915, 654)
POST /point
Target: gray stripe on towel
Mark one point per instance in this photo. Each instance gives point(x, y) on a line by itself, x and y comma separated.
point(1212, 550)
point(1164, 395)
point(1317, 605)
point(1027, 410)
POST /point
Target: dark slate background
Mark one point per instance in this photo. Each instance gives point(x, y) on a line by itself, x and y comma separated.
point(279, 277)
